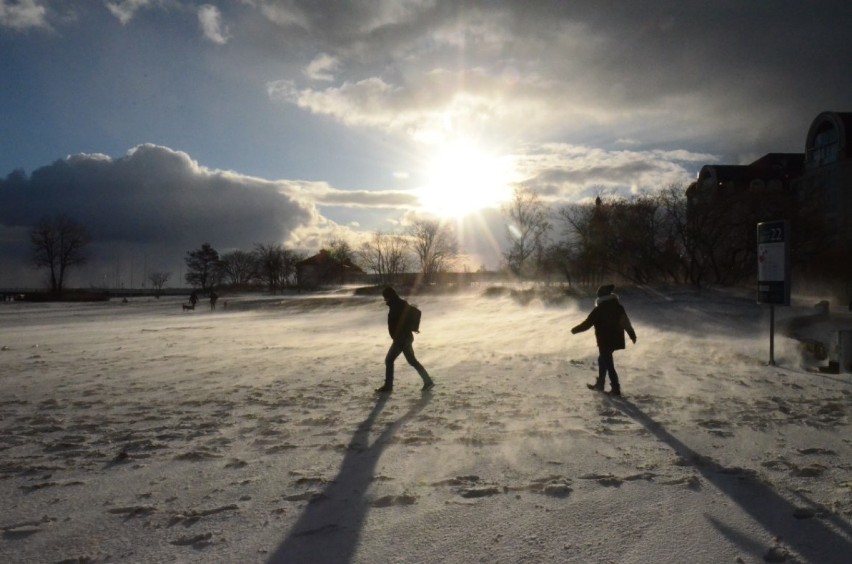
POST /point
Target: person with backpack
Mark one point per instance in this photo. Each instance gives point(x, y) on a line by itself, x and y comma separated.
point(403, 321)
point(610, 322)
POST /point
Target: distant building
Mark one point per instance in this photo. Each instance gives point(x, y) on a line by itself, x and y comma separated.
point(825, 187)
point(323, 269)
point(813, 190)
point(770, 180)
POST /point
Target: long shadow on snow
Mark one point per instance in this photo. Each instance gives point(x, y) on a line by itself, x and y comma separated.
point(812, 538)
point(330, 526)
point(695, 313)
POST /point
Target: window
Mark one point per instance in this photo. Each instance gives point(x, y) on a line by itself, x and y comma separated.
point(826, 145)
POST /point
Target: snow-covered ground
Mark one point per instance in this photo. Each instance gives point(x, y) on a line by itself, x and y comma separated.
point(142, 433)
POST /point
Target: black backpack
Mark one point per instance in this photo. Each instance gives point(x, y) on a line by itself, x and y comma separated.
point(411, 318)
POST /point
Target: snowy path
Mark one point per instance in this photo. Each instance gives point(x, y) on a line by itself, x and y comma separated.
point(142, 434)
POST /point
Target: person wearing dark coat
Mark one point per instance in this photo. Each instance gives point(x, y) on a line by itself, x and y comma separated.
point(402, 341)
point(610, 322)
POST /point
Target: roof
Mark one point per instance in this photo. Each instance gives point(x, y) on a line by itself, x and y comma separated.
point(778, 165)
point(324, 258)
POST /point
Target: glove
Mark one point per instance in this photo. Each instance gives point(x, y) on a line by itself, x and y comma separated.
point(633, 339)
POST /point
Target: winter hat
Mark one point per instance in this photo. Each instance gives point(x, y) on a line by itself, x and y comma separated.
point(605, 290)
point(389, 293)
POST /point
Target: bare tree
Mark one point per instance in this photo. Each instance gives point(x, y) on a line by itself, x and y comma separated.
point(680, 252)
point(58, 244)
point(584, 241)
point(636, 239)
point(435, 246)
point(385, 255)
point(276, 266)
point(158, 280)
point(527, 230)
point(344, 258)
point(239, 267)
point(341, 251)
point(722, 232)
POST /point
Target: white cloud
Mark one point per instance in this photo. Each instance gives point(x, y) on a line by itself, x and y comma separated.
point(321, 194)
point(319, 234)
point(426, 109)
point(365, 102)
point(283, 13)
point(210, 19)
point(126, 9)
point(565, 172)
point(23, 14)
point(322, 67)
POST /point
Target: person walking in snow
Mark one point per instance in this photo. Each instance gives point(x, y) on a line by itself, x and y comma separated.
point(402, 341)
point(610, 321)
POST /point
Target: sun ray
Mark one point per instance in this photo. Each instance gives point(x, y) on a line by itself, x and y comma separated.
point(462, 178)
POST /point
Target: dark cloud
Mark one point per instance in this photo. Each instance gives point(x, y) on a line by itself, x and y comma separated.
point(730, 78)
point(344, 93)
point(154, 198)
point(599, 173)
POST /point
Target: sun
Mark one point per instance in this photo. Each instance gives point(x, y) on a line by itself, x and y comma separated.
point(462, 178)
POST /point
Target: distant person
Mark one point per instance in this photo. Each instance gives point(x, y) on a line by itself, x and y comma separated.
point(610, 322)
point(403, 339)
point(213, 299)
point(193, 298)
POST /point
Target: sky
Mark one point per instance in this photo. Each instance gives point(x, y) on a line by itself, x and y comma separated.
point(164, 124)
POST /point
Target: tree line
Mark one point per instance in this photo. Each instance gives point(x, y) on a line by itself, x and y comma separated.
point(703, 240)
point(653, 238)
point(642, 240)
point(60, 243)
point(428, 245)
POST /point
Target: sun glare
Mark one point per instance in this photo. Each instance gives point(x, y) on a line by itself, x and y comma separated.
point(462, 179)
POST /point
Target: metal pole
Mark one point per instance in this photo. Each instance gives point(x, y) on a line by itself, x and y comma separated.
point(772, 335)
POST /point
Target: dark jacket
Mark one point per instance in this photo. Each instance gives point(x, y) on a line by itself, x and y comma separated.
point(610, 322)
point(396, 320)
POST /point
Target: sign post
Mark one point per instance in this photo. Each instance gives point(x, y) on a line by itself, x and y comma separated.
point(773, 271)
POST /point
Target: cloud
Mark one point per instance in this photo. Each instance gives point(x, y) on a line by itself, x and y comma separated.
point(321, 194)
point(367, 102)
point(157, 197)
point(210, 19)
point(125, 10)
point(319, 234)
point(23, 14)
point(283, 13)
point(333, 18)
point(428, 109)
point(322, 67)
point(158, 202)
point(565, 172)
point(651, 73)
